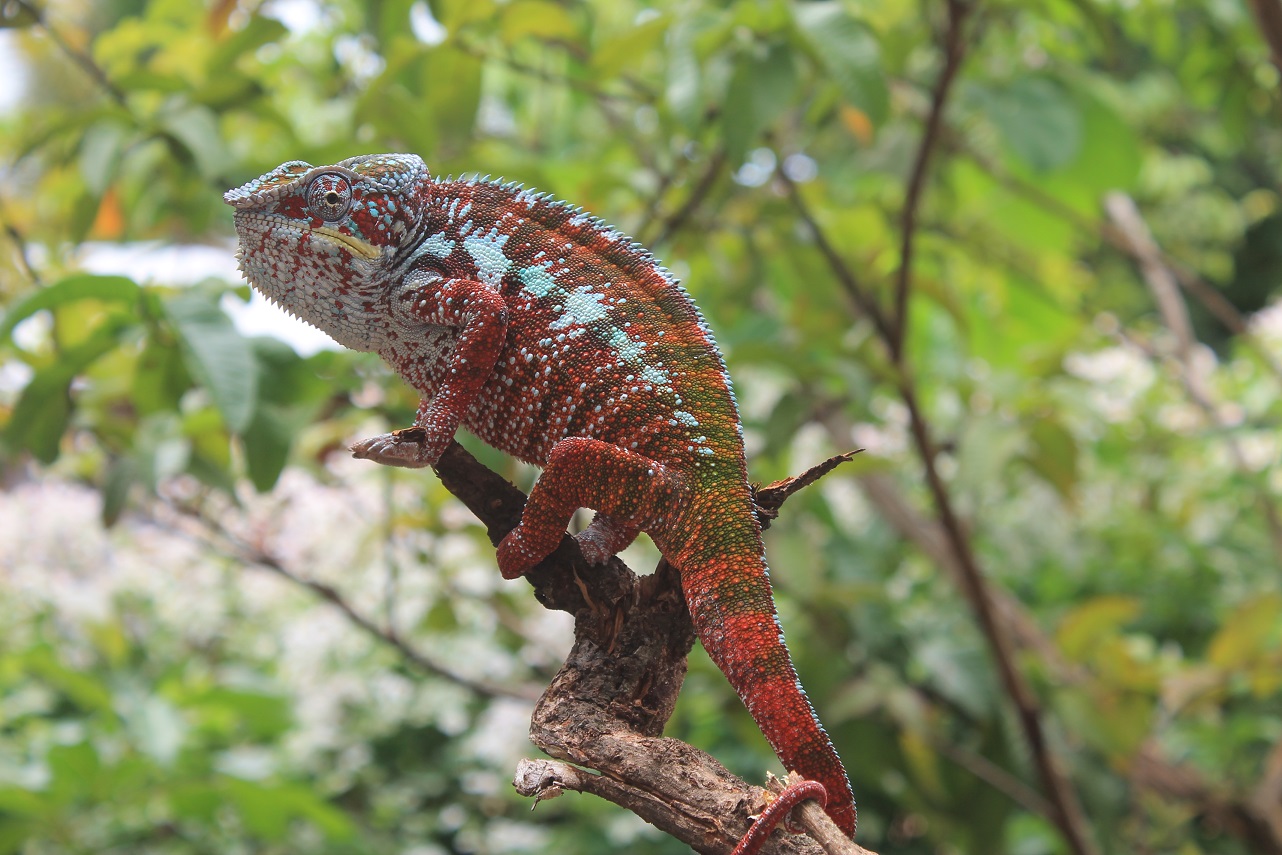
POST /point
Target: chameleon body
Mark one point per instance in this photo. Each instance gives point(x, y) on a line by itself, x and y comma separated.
point(556, 339)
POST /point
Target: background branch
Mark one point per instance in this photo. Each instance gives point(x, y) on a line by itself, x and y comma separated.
point(1166, 294)
point(215, 535)
point(1066, 810)
point(1268, 15)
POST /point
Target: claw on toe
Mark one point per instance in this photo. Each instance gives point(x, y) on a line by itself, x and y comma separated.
point(408, 448)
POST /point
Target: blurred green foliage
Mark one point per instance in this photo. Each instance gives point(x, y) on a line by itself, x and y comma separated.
point(1122, 499)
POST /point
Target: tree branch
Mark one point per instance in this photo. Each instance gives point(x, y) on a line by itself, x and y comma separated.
point(606, 708)
point(1067, 811)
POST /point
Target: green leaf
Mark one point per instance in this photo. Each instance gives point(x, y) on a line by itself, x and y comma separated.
point(957, 672)
point(1088, 624)
point(24, 802)
point(81, 286)
point(619, 51)
point(42, 414)
point(539, 19)
point(100, 152)
point(218, 356)
point(197, 801)
point(195, 128)
point(683, 92)
point(75, 769)
point(453, 107)
point(258, 715)
point(1039, 121)
point(1054, 455)
point(1109, 157)
point(456, 14)
point(264, 810)
point(258, 31)
point(82, 689)
point(760, 90)
point(331, 821)
point(267, 810)
point(848, 50)
point(1249, 634)
point(267, 444)
point(121, 475)
point(160, 378)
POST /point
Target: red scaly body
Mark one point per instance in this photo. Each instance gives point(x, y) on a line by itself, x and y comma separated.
point(558, 340)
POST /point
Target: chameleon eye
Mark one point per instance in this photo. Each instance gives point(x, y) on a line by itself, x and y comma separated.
point(329, 196)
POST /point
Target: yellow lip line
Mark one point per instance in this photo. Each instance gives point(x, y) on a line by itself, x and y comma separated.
point(354, 245)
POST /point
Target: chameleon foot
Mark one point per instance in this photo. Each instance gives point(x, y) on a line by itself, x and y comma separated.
point(514, 558)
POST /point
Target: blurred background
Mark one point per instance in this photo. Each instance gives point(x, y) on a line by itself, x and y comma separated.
point(1028, 255)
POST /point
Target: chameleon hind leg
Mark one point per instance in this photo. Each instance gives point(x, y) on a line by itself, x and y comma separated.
point(629, 491)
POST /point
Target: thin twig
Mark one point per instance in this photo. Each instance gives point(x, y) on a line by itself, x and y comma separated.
point(1166, 293)
point(1194, 285)
point(1067, 812)
point(995, 776)
point(387, 635)
point(864, 302)
point(1161, 283)
point(696, 198)
point(80, 58)
point(20, 244)
point(217, 537)
point(954, 52)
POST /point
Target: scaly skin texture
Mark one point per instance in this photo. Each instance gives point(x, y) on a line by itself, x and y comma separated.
point(560, 341)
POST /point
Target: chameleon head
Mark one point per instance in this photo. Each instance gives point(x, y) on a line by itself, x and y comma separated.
point(322, 242)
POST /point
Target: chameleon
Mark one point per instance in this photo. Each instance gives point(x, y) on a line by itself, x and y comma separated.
point(557, 339)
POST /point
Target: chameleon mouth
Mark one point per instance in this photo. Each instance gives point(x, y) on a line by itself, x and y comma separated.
point(351, 243)
point(254, 225)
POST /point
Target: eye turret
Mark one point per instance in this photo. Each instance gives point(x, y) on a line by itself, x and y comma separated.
point(329, 196)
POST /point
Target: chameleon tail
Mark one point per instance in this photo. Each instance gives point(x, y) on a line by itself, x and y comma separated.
point(727, 589)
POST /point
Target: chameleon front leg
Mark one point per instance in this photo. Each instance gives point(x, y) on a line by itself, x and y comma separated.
point(478, 312)
point(629, 490)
